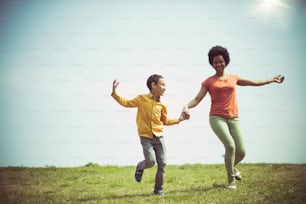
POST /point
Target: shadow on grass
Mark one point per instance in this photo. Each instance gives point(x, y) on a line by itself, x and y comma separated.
point(197, 189)
point(111, 197)
point(144, 195)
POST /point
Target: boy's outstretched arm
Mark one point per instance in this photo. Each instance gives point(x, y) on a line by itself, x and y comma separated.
point(123, 101)
point(170, 121)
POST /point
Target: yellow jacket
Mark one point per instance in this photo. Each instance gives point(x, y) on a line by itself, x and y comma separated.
point(151, 114)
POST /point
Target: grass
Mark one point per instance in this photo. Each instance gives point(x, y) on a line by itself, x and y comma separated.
point(197, 183)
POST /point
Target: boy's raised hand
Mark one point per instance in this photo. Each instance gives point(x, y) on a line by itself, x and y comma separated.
point(115, 84)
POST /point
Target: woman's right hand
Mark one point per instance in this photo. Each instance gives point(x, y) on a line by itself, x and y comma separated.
point(186, 113)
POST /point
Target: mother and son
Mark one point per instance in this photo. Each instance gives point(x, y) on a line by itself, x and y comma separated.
point(223, 117)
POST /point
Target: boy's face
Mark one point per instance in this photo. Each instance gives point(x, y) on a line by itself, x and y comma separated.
point(159, 88)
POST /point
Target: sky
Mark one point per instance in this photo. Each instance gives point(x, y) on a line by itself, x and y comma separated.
point(58, 60)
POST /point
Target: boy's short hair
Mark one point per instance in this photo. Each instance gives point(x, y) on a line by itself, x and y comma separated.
point(218, 50)
point(153, 78)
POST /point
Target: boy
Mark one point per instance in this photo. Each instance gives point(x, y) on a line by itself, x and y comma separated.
point(151, 117)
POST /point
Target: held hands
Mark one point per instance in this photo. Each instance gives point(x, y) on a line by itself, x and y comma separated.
point(181, 118)
point(115, 85)
point(185, 113)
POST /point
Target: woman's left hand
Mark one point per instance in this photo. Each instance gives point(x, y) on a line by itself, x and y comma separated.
point(278, 79)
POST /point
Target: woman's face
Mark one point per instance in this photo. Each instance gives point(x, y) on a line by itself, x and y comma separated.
point(219, 64)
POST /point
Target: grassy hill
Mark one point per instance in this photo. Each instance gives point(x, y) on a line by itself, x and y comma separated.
point(197, 183)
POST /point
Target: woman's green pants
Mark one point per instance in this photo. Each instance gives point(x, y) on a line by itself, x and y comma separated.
point(228, 131)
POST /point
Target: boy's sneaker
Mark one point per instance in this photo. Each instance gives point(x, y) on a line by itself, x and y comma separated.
point(232, 186)
point(138, 175)
point(158, 192)
point(237, 175)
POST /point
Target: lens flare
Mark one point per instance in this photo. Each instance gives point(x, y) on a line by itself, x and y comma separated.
point(271, 8)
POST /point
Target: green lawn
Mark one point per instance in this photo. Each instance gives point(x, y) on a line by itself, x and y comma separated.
point(262, 183)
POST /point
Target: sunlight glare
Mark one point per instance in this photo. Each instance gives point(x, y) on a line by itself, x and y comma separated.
point(271, 8)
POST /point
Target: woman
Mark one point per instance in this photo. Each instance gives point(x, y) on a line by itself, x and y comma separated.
point(223, 117)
